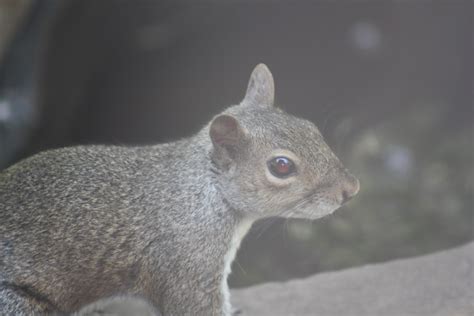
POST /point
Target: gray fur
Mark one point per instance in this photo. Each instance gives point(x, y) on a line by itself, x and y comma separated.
point(162, 222)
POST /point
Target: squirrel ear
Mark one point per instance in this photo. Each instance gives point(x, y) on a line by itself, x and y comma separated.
point(261, 88)
point(225, 132)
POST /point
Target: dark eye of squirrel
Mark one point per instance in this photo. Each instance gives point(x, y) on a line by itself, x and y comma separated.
point(281, 167)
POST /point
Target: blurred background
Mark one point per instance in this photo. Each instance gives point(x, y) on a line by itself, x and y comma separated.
point(389, 83)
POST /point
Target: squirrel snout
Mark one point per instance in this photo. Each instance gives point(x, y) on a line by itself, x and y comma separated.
point(350, 187)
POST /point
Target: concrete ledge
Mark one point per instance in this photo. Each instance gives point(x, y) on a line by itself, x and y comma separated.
point(436, 284)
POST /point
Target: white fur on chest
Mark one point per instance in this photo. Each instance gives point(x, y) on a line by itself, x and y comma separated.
point(229, 257)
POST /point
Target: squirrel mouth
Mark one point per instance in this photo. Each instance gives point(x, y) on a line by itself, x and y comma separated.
point(311, 209)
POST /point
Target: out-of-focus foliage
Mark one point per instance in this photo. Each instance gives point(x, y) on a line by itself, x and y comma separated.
point(389, 83)
point(11, 15)
point(22, 25)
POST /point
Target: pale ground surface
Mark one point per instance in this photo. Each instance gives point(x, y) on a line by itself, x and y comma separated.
point(440, 284)
point(436, 284)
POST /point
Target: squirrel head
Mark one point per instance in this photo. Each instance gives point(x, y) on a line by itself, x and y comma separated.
point(270, 163)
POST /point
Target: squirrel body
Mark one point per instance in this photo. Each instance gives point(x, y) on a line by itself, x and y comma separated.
point(164, 222)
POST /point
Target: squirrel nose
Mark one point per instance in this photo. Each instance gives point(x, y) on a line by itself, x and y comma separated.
point(350, 188)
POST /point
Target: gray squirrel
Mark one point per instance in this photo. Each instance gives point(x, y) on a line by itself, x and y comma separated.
point(161, 223)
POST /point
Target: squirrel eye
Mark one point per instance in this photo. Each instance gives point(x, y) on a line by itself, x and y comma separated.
point(281, 167)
